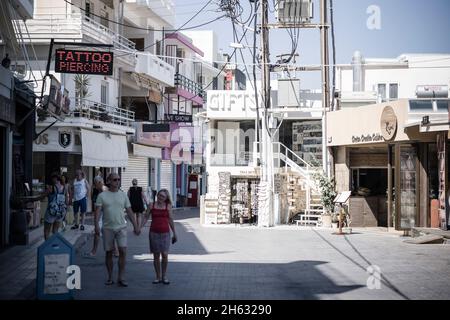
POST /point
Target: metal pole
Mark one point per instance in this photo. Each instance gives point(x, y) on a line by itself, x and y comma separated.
point(325, 80)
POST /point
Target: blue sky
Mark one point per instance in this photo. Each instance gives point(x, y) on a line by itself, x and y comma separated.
point(407, 26)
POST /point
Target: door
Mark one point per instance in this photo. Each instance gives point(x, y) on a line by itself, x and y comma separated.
point(192, 190)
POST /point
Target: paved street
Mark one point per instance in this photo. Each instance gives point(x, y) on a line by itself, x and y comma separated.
point(234, 262)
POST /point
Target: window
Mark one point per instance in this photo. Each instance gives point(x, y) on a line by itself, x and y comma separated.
point(139, 42)
point(420, 105)
point(104, 92)
point(393, 91)
point(382, 91)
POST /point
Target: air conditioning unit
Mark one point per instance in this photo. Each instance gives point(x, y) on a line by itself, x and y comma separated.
point(294, 11)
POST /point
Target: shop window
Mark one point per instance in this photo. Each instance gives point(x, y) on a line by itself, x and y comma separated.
point(369, 182)
point(382, 91)
point(443, 105)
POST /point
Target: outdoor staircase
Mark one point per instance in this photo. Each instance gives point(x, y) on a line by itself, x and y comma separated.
point(300, 175)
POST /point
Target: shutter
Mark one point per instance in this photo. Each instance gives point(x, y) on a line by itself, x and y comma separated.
point(137, 168)
point(166, 176)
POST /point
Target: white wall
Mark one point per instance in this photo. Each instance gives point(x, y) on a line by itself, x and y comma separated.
point(422, 70)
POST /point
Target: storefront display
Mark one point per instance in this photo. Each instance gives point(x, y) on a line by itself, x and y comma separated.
point(244, 200)
point(408, 176)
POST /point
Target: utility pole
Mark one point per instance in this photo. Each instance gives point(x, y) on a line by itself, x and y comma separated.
point(265, 214)
point(325, 81)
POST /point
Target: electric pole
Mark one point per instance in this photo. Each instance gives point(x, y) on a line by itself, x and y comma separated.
point(265, 213)
point(325, 81)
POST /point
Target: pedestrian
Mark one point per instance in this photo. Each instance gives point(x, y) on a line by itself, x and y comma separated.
point(113, 202)
point(80, 191)
point(69, 210)
point(98, 188)
point(159, 235)
point(137, 199)
point(57, 205)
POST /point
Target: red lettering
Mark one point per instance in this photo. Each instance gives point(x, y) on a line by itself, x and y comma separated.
point(87, 67)
point(69, 56)
point(107, 57)
point(62, 65)
point(79, 67)
point(96, 57)
point(78, 53)
point(61, 54)
point(105, 68)
point(72, 66)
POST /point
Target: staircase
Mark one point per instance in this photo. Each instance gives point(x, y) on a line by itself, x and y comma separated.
point(300, 173)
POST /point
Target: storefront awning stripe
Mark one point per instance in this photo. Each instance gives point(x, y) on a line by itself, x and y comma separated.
point(145, 151)
point(102, 149)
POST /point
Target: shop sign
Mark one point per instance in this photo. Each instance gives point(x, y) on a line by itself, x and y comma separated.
point(84, 62)
point(54, 140)
point(235, 104)
point(388, 123)
point(178, 117)
point(375, 137)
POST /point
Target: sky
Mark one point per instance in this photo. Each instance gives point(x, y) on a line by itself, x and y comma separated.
point(404, 26)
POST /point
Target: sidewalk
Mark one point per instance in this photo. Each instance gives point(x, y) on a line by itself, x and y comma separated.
point(18, 264)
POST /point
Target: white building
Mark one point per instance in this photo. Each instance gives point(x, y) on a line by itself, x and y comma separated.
point(105, 110)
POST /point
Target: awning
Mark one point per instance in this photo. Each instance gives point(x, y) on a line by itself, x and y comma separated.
point(103, 149)
point(145, 151)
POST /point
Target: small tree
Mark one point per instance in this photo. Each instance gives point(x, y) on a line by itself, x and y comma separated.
point(327, 190)
point(82, 84)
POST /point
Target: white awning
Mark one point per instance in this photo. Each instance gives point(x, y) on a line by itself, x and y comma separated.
point(145, 151)
point(103, 149)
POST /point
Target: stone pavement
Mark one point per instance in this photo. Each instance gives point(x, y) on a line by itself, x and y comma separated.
point(18, 264)
point(234, 262)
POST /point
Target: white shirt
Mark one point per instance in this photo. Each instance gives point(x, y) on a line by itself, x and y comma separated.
point(79, 189)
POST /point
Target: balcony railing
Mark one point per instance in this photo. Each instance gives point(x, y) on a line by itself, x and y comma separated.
point(189, 85)
point(101, 112)
point(75, 27)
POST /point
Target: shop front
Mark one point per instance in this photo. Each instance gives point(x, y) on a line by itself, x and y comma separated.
point(393, 162)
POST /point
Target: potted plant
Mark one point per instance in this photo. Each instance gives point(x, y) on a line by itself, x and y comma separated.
point(82, 84)
point(327, 196)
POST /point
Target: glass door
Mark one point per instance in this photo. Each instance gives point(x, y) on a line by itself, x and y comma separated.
point(407, 184)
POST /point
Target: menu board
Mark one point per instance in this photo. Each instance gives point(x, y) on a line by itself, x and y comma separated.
point(55, 276)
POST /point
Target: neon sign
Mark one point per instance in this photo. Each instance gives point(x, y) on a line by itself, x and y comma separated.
point(84, 62)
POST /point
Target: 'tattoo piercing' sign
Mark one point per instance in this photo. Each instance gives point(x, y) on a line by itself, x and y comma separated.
point(84, 62)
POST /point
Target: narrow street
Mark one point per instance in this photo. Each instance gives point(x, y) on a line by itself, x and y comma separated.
point(234, 262)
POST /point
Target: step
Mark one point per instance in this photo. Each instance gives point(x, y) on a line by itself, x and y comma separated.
point(315, 210)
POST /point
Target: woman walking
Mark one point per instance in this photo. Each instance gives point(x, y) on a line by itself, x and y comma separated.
point(137, 200)
point(58, 198)
point(159, 234)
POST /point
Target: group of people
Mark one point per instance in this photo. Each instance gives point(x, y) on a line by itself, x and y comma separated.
point(110, 204)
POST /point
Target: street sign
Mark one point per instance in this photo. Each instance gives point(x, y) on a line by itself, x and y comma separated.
point(84, 62)
point(178, 117)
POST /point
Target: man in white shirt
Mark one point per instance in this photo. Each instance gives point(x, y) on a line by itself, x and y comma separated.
point(80, 191)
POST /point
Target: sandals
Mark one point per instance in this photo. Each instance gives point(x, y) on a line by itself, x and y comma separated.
point(109, 282)
point(122, 283)
point(156, 281)
point(165, 281)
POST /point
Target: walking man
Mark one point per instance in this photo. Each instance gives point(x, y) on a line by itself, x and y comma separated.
point(80, 192)
point(113, 202)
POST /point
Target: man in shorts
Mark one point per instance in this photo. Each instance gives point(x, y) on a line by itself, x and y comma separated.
point(113, 202)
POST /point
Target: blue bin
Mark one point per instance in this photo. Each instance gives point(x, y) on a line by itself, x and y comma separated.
point(54, 256)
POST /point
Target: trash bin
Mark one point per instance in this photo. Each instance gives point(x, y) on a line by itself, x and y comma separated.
point(54, 257)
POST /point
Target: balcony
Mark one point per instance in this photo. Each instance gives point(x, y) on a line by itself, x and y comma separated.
point(189, 89)
point(157, 69)
point(96, 111)
point(164, 9)
point(77, 28)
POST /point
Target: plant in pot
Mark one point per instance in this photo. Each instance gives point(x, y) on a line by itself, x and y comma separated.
point(327, 195)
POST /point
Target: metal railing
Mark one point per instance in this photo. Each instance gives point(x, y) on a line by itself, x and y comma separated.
point(189, 85)
point(73, 27)
point(92, 110)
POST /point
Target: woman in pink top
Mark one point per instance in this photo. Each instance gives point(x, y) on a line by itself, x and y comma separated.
point(159, 235)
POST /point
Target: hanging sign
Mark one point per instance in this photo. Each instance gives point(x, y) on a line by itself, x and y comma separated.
point(178, 117)
point(84, 62)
